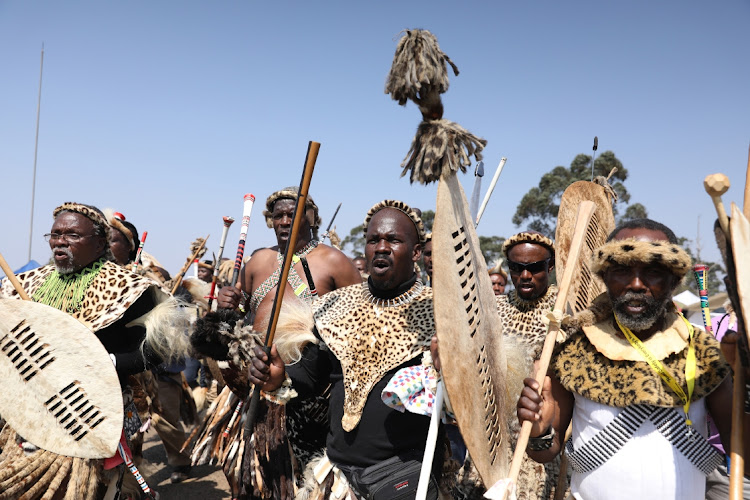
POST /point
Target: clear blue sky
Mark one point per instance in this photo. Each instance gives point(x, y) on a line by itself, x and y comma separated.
point(171, 111)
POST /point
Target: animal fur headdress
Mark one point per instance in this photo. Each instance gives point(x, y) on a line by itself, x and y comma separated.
point(401, 207)
point(94, 215)
point(498, 269)
point(115, 220)
point(528, 237)
point(632, 251)
point(418, 73)
point(311, 209)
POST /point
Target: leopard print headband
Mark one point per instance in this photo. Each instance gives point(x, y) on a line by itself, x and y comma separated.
point(291, 193)
point(632, 251)
point(403, 208)
point(528, 237)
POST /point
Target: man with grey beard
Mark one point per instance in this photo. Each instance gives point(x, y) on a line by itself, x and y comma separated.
point(636, 380)
point(137, 323)
point(84, 282)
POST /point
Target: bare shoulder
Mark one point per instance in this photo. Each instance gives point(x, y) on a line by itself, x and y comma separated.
point(329, 253)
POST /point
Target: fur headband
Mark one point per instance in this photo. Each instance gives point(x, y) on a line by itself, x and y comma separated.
point(528, 237)
point(632, 251)
point(115, 220)
point(94, 215)
point(403, 208)
point(291, 193)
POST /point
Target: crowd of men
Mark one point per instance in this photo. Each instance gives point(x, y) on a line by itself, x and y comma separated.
point(639, 427)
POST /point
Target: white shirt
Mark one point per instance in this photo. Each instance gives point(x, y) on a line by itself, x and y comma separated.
point(646, 467)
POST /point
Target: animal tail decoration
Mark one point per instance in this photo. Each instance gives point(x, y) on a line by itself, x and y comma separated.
point(419, 74)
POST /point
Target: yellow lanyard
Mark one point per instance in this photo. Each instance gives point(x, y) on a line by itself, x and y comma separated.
point(656, 365)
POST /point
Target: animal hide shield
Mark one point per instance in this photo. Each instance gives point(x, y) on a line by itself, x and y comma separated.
point(469, 333)
point(60, 389)
point(586, 285)
point(739, 229)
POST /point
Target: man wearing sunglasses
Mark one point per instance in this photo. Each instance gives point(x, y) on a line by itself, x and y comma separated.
point(531, 258)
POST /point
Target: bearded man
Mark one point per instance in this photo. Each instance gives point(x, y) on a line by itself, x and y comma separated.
point(112, 302)
point(367, 332)
point(636, 379)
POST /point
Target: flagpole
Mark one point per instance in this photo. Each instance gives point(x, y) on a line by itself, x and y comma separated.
point(36, 145)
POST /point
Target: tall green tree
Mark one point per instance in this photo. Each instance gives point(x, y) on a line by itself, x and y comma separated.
point(539, 206)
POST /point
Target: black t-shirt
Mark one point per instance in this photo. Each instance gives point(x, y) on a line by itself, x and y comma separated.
point(382, 432)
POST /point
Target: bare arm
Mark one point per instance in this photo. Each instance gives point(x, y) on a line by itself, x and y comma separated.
point(345, 273)
point(553, 408)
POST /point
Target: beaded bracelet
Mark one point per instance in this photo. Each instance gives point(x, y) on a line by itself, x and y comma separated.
point(543, 442)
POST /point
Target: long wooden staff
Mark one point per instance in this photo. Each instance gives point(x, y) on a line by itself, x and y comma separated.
point(12, 278)
point(247, 209)
point(585, 211)
point(187, 264)
point(140, 251)
point(299, 213)
point(227, 222)
point(716, 185)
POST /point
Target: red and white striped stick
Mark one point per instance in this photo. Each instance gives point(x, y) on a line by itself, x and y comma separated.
point(140, 250)
point(247, 209)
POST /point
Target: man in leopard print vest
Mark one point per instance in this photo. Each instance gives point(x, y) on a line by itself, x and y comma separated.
point(636, 380)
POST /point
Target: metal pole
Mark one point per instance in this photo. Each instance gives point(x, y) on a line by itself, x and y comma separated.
point(36, 146)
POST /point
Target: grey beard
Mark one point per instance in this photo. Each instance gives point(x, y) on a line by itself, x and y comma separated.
point(66, 268)
point(654, 311)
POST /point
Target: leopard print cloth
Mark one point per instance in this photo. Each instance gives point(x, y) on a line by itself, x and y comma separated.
point(370, 340)
point(111, 293)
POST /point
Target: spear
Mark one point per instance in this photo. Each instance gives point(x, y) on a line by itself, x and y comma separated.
point(474, 203)
point(489, 191)
point(327, 233)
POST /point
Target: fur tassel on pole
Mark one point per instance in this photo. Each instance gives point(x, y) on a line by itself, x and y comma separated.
point(418, 73)
point(418, 63)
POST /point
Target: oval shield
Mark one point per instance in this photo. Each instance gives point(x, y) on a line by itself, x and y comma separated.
point(61, 391)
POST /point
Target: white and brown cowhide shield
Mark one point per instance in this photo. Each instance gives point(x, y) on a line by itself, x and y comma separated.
point(469, 333)
point(60, 389)
point(739, 229)
point(586, 286)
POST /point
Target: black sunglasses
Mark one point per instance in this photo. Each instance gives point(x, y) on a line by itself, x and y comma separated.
point(532, 267)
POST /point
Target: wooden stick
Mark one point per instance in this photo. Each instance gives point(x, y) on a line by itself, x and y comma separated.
point(737, 459)
point(585, 211)
point(227, 222)
point(299, 212)
point(187, 264)
point(746, 201)
point(716, 185)
point(12, 278)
